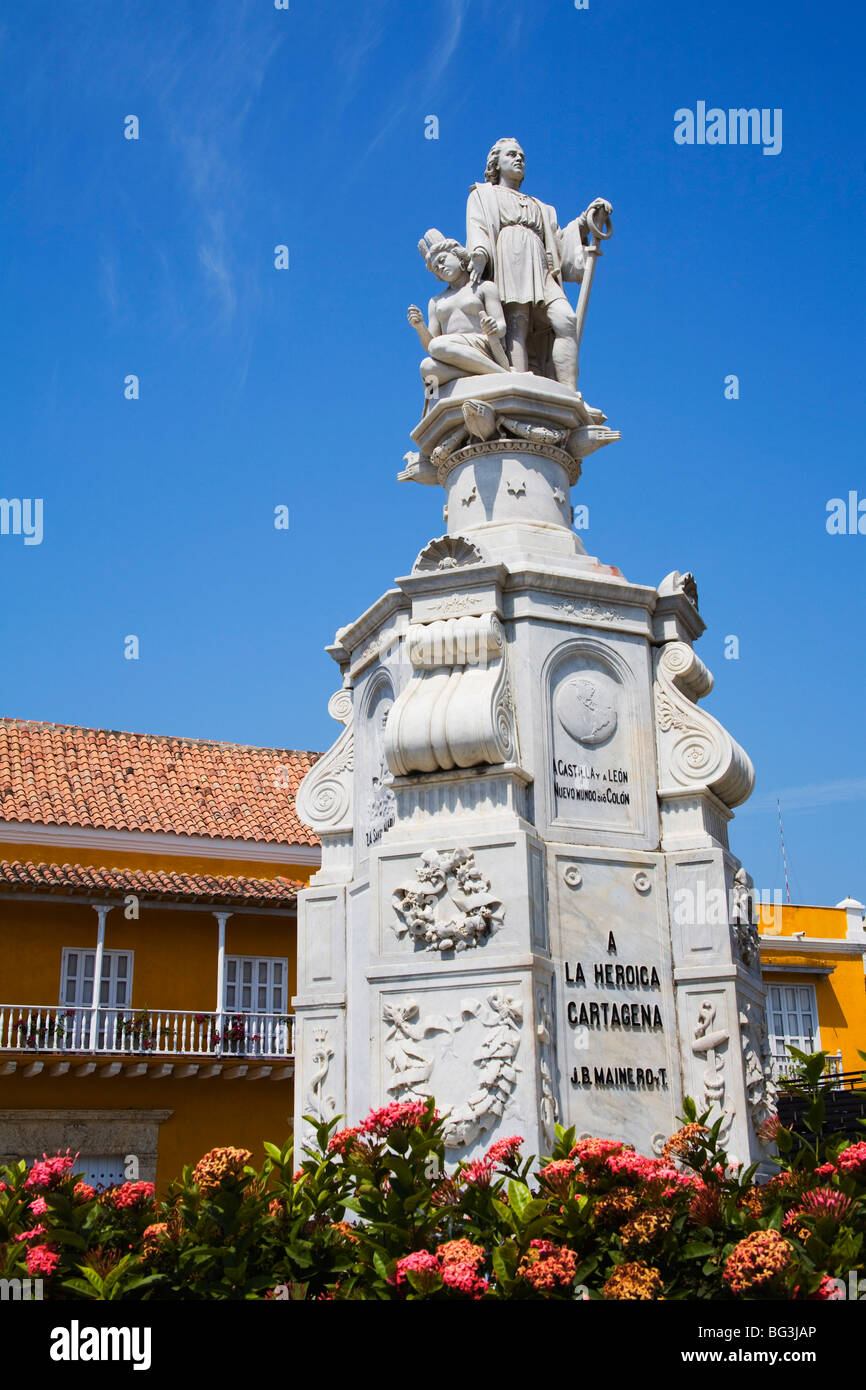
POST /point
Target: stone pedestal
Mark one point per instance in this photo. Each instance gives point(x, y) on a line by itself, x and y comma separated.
point(527, 905)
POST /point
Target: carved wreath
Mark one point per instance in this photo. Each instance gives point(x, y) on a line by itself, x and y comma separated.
point(411, 1059)
point(448, 906)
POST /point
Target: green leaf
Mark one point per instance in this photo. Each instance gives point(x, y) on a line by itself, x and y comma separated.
point(381, 1265)
point(422, 1283)
point(519, 1197)
point(81, 1287)
point(68, 1238)
point(501, 1266)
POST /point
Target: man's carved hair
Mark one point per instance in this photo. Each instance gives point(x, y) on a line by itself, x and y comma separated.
point(491, 173)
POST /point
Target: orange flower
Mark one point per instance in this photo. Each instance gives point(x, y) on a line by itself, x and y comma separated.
point(757, 1263)
point(461, 1252)
point(217, 1166)
point(646, 1231)
point(634, 1280)
point(683, 1143)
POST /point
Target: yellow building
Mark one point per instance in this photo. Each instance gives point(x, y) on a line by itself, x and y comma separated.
point(813, 960)
point(147, 945)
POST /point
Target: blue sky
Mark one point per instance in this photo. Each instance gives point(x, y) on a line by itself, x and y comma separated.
point(261, 387)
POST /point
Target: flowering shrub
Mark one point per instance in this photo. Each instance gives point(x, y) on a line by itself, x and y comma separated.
point(369, 1212)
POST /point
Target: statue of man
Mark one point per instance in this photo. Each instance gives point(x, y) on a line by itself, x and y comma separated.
point(516, 241)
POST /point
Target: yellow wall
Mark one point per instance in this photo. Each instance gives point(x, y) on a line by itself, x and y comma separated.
point(175, 951)
point(154, 859)
point(207, 1113)
point(175, 967)
point(841, 996)
point(787, 918)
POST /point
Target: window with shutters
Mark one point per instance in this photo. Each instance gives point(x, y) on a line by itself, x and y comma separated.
point(102, 1170)
point(255, 1003)
point(793, 1020)
point(115, 992)
point(256, 984)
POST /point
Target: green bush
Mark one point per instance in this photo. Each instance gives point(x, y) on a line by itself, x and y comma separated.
point(372, 1213)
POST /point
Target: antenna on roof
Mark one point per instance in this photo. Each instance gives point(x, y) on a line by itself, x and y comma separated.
point(784, 854)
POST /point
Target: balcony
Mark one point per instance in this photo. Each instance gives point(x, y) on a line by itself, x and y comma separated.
point(787, 1068)
point(139, 1042)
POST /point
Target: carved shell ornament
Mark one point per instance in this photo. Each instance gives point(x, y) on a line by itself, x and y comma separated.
point(448, 905)
point(447, 553)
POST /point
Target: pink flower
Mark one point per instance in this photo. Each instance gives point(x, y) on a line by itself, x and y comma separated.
point(49, 1173)
point(768, 1129)
point(825, 1170)
point(853, 1160)
point(505, 1150)
point(445, 1194)
point(463, 1279)
point(705, 1204)
point(42, 1260)
point(793, 1222)
point(828, 1291)
point(130, 1195)
point(31, 1234)
point(39, 1206)
point(591, 1154)
point(826, 1201)
point(400, 1115)
point(83, 1192)
point(558, 1177)
point(478, 1173)
point(343, 1141)
point(420, 1262)
point(635, 1167)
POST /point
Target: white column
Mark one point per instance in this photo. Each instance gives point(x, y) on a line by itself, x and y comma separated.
point(222, 918)
point(102, 913)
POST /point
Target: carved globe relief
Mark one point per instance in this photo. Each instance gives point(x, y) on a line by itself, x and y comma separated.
point(586, 711)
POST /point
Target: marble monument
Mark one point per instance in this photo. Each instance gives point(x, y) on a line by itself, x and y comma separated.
point(527, 808)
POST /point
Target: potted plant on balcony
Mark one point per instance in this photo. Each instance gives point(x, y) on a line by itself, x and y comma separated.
point(49, 1032)
point(142, 1033)
point(233, 1037)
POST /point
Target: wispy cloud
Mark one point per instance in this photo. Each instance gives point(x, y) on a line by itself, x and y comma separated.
point(807, 798)
point(421, 87)
point(205, 81)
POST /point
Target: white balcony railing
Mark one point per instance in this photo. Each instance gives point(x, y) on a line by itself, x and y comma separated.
point(787, 1067)
point(144, 1032)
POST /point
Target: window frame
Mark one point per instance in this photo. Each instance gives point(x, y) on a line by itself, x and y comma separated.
point(806, 1040)
point(255, 984)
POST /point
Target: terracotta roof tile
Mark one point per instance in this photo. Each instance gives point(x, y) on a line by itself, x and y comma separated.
point(74, 879)
point(63, 774)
